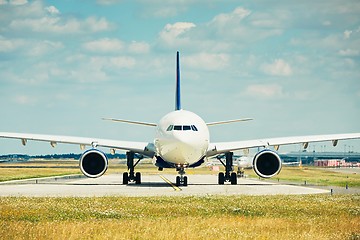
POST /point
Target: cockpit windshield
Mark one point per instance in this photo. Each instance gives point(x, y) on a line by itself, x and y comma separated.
point(186, 128)
point(182, 128)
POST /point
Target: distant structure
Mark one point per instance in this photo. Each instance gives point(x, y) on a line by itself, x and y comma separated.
point(335, 163)
point(309, 158)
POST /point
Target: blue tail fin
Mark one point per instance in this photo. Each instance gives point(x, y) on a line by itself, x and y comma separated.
point(177, 96)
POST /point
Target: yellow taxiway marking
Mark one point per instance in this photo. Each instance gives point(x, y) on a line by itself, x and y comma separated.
point(170, 183)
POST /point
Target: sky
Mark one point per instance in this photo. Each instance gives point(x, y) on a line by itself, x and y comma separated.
point(293, 66)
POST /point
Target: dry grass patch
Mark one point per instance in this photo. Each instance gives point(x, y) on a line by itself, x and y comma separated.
point(215, 217)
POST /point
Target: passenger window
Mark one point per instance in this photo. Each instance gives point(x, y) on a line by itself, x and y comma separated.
point(178, 127)
point(186, 128)
point(194, 128)
point(170, 128)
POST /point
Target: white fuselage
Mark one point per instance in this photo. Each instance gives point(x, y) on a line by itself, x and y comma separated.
point(182, 138)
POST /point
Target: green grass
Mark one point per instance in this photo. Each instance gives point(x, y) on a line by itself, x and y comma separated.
point(211, 217)
point(316, 176)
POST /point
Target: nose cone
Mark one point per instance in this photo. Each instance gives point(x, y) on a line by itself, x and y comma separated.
point(185, 153)
point(179, 145)
point(184, 149)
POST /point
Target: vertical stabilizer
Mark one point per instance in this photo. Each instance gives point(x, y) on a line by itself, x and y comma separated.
point(177, 95)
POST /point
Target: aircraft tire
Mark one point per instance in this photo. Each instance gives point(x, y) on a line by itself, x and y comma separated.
point(185, 183)
point(233, 178)
point(177, 181)
point(138, 178)
point(221, 178)
point(125, 178)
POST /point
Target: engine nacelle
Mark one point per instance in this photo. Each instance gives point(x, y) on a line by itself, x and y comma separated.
point(93, 163)
point(267, 163)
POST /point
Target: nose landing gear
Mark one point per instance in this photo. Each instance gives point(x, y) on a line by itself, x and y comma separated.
point(181, 180)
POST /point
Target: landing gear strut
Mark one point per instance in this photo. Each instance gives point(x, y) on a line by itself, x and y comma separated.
point(131, 176)
point(229, 175)
point(181, 180)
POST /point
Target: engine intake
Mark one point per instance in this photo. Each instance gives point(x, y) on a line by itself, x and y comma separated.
point(267, 163)
point(93, 163)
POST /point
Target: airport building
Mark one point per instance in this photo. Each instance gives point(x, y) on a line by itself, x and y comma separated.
point(323, 158)
point(335, 163)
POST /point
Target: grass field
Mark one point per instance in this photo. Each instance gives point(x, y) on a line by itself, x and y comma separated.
point(212, 217)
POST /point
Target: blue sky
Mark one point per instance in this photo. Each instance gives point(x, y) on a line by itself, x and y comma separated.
point(291, 65)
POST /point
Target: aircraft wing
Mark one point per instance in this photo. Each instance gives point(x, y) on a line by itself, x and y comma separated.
point(144, 148)
point(222, 147)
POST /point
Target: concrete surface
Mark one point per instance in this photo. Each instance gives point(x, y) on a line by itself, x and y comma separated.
point(152, 185)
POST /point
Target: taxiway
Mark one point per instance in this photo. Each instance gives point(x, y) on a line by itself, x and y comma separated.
point(152, 185)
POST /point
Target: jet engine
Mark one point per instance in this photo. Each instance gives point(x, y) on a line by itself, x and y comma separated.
point(93, 163)
point(267, 163)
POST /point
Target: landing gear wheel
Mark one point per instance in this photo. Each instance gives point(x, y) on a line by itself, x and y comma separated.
point(221, 178)
point(185, 181)
point(125, 178)
point(181, 180)
point(138, 178)
point(229, 175)
point(178, 181)
point(131, 176)
point(233, 178)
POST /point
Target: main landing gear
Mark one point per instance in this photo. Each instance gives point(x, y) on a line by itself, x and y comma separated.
point(131, 176)
point(181, 180)
point(229, 175)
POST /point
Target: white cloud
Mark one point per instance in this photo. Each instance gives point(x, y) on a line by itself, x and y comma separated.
point(108, 45)
point(207, 61)
point(105, 45)
point(29, 47)
point(43, 47)
point(243, 27)
point(347, 34)
point(95, 24)
point(97, 69)
point(276, 19)
point(278, 68)
point(172, 32)
point(18, 2)
point(139, 47)
point(120, 62)
point(33, 9)
point(57, 25)
point(265, 90)
point(35, 17)
point(235, 16)
point(24, 100)
point(349, 52)
point(35, 76)
point(52, 10)
point(9, 45)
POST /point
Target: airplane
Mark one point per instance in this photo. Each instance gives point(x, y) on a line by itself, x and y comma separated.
point(181, 141)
